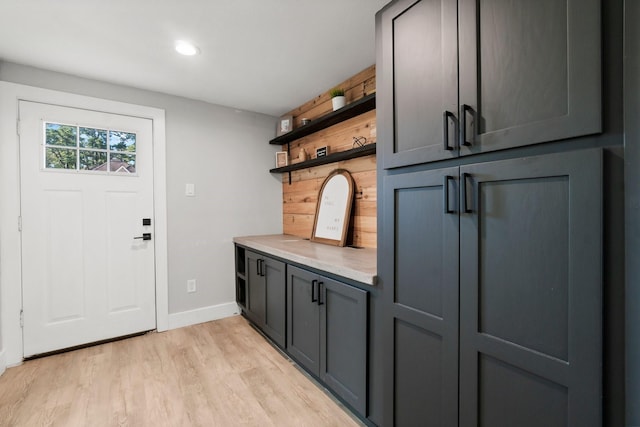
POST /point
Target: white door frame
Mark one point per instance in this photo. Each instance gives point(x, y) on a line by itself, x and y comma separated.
point(11, 349)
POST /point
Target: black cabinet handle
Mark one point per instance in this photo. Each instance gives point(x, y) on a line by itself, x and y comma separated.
point(260, 267)
point(445, 192)
point(445, 129)
point(464, 108)
point(463, 182)
point(320, 292)
point(314, 284)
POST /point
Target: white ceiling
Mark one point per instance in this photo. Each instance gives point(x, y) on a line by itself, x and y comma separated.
point(267, 56)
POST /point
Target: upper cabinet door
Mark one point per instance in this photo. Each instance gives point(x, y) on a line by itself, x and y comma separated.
point(458, 78)
point(417, 81)
point(530, 72)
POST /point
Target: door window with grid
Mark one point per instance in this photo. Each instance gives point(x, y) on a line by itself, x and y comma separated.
point(71, 147)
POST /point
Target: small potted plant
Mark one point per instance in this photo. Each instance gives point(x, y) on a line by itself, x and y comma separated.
point(337, 98)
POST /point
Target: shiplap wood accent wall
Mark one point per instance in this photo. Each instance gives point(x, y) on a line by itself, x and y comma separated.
point(300, 197)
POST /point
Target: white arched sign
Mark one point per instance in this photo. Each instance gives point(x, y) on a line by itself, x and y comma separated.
point(334, 209)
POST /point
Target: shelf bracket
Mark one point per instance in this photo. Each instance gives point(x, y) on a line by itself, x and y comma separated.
point(289, 157)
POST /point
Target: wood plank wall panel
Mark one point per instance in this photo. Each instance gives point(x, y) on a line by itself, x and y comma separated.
point(301, 196)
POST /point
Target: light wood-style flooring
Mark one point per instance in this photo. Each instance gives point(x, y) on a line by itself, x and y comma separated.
point(220, 373)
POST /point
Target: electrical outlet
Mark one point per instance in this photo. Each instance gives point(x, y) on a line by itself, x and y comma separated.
point(191, 285)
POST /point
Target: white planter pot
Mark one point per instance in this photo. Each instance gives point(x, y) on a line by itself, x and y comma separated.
point(338, 102)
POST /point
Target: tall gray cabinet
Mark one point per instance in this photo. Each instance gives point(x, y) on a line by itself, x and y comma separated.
point(490, 264)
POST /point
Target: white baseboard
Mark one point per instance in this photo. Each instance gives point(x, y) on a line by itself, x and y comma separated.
point(201, 315)
point(3, 362)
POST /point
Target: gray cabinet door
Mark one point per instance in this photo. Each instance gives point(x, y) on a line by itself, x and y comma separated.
point(531, 292)
point(417, 72)
point(255, 289)
point(275, 300)
point(530, 71)
point(418, 266)
point(303, 318)
point(343, 341)
point(266, 301)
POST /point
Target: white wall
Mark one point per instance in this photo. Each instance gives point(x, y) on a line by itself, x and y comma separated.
point(225, 153)
point(3, 362)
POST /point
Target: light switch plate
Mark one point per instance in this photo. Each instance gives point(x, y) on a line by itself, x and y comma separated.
point(190, 190)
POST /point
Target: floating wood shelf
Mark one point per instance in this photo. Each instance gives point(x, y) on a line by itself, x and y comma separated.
point(354, 109)
point(331, 158)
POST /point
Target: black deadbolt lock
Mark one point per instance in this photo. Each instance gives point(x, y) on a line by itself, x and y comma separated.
point(146, 221)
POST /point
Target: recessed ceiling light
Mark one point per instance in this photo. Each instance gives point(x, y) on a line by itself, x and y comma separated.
point(186, 48)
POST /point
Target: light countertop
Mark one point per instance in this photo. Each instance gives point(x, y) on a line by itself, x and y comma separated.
point(351, 263)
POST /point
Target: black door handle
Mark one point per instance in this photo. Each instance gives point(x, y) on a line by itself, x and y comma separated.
point(320, 291)
point(445, 129)
point(314, 283)
point(445, 196)
point(463, 182)
point(260, 267)
point(145, 236)
point(464, 108)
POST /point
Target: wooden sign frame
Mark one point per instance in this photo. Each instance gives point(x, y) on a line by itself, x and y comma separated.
point(333, 211)
point(282, 159)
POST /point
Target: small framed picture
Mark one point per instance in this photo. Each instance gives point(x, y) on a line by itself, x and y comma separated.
point(281, 159)
point(285, 125)
point(322, 151)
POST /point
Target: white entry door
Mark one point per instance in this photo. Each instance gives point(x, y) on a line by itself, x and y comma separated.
point(86, 186)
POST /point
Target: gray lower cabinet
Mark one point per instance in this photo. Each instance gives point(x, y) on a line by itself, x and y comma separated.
point(266, 287)
point(491, 279)
point(327, 332)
